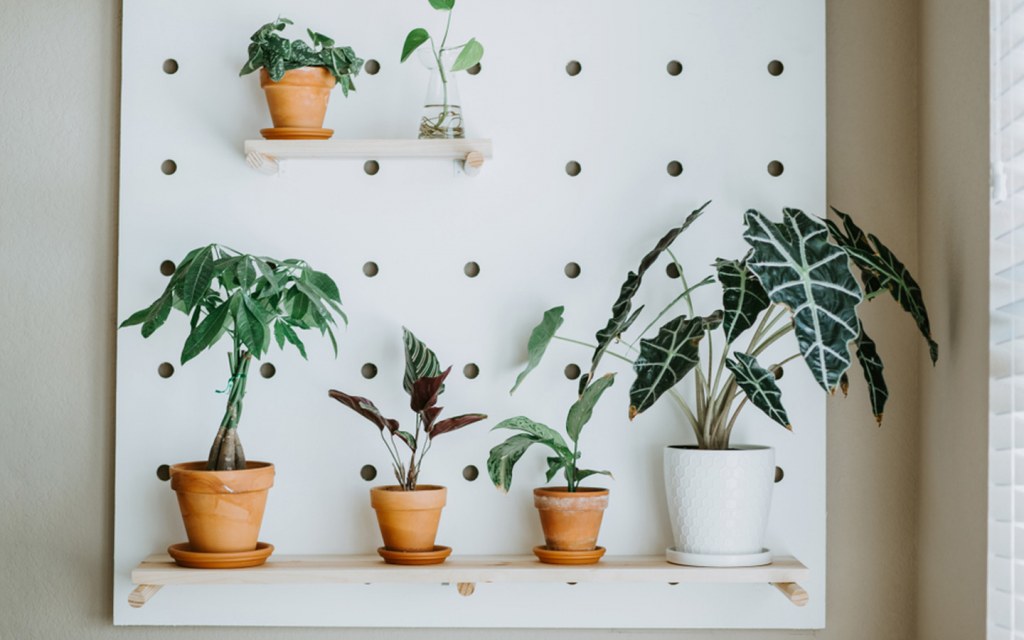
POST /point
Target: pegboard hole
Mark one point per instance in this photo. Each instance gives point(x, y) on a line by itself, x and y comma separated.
point(775, 168)
point(775, 67)
point(572, 371)
point(371, 167)
point(674, 68)
point(164, 472)
point(675, 168)
point(267, 370)
point(573, 168)
point(471, 269)
point(167, 268)
point(169, 167)
point(371, 67)
point(672, 270)
point(165, 370)
point(370, 269)
point(369, 371)
point(573, 68)
point(368, 472)
point(170, 66)
point(475, 69)
point(572, 270)
point(470, 472)
point(779, 474)
point(471, 371)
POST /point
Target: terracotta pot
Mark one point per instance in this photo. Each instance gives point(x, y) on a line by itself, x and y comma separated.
point(408, 519)
point(222, 510)
point(571, 521)
point(300, 98)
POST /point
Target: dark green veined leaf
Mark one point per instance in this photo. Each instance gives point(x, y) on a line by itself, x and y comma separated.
point(540, 338)
point(156, 319)
point(202, 337)
point(586, 473)
point(504, 457)
point(453, 424)
point(555, 464)
point(760, 387)
point(420, 361)
point(665, 360)
point(471, 54)
point(195, 282)
point(442, 5)
point(713, 321)
point(284, 332)
point(800, 269)
point(871, 364)
point(743, 297)
point(541, 432)
point(408, 439)
point(365, 408)
point(413, 41)
point(621, 319)
point(581, 410)
point(855, 238)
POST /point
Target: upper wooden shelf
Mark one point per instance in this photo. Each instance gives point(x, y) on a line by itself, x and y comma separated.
point(263, 155)
point(465, 571)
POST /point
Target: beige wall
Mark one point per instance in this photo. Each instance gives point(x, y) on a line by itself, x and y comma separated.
point(58, 221)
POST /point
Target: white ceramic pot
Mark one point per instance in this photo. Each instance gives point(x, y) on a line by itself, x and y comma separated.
point(718, 504)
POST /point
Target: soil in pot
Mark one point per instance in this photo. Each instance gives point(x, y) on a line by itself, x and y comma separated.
point(299, 99)
point(571, 520)
point(408, 519)
point(222, 510)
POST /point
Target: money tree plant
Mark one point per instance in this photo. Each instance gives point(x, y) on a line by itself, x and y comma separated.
point(278, 55)
point(424, 382)
point(797, 277)
point(249, 300)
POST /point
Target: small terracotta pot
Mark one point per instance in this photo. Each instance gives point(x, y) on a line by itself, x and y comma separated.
point(571, 521)
point(222, 510)
point(299, 99)
point(408, 519)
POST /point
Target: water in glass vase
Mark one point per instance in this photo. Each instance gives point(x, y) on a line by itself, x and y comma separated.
point(442, 112)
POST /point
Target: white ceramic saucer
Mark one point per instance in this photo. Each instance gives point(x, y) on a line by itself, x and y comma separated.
point(718, 560)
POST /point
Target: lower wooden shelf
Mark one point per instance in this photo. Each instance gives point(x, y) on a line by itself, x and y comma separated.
point(465, 572)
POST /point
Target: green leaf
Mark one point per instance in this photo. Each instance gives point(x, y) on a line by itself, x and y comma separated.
point(555, 464)
point(248, 328)
point(871, 364)
point(156, 319)
point(408, 439)
point(665, 360)
point(324, 283)
point(471, 54)
point(800, 269)
point(540, 338)
point(319, 39)
point(197, 279)
point(743, 297)
point(503, 458)
point(203, 336)
point(413, 41)
point(583, 409)
point(760, 386)
point(586, 473)
point(282, 332)
point(542, 433)
point(420, 361)
point(442, 5)
point(855, 238)
point(245, 273)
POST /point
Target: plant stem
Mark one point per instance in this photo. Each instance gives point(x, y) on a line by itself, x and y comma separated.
point(227, 454)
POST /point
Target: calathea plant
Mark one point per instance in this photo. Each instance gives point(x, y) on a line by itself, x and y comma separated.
point(792, 280)
point(278, 55)
point(424, 382)
point(251, 300)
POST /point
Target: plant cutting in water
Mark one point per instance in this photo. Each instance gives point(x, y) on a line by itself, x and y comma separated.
point(246, 298)
point(279, 55)
point(443, 120)
point(793, 280)
point(424, 382)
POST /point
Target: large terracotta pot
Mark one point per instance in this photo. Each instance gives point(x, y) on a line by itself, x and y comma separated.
point(222, 510)
point(408, 519)
point(570, 520)
point(299, 99)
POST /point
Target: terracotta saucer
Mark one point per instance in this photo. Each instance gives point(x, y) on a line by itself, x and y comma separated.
point(184, 556)
point(552, 556)
point(296, 133)
point(436, 555)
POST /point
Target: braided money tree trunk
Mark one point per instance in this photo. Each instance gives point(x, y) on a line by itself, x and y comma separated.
point(247, 298)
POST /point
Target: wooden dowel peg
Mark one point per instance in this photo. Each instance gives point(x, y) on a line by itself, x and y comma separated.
point(262, 163)
point(466, 588)
point(142, 593)
point(472, 162)
point(793, 592)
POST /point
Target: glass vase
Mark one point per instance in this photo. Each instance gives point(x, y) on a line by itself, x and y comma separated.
point(442, 110)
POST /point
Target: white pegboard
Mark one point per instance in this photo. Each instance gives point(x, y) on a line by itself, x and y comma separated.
point(522, 219)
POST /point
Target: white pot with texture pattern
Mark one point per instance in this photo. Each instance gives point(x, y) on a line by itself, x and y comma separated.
point(718, 504)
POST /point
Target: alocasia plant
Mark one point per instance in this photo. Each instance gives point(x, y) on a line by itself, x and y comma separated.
point(279, 55)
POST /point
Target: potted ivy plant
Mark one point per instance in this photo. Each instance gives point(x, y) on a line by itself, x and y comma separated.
point(570, 515)
point(249, 300)
point(797, 278)
point(297, 79)
point(409, 512)
point(442, 109)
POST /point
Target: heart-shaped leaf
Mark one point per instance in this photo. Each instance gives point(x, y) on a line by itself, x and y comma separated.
point(743, 297)
point(665, 360)
point(540, 338)
point(471, 54)
point(442, 5)
point(760, 387)
point(413, 41)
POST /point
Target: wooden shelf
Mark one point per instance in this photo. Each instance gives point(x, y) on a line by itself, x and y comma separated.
point(264, 155)
point(159, 570)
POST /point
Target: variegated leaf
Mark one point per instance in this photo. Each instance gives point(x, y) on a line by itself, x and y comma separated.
point(664, 360)
point(743, 297)
point(871, 364)
point(420, 361)
point(855, 238)
point(503, 458)
point(760, 387)
point(800, 269)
